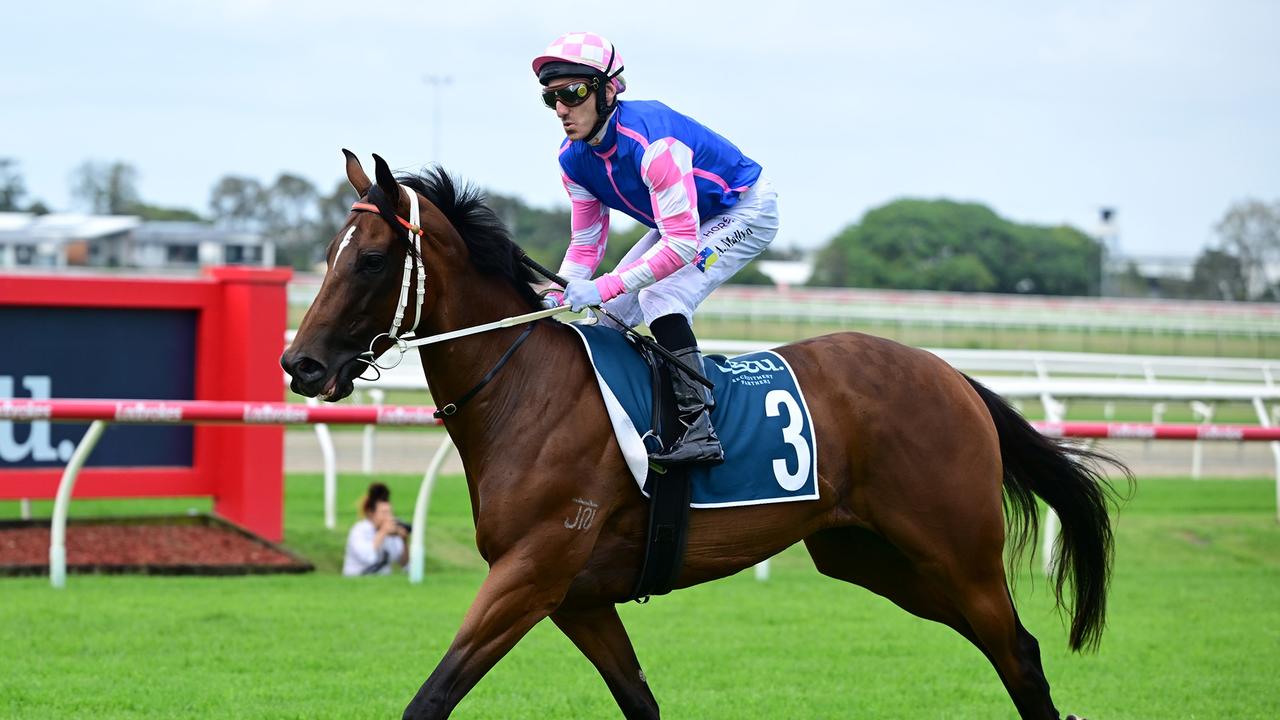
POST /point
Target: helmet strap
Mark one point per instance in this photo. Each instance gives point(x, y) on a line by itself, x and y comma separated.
point(597, 133)
point(602, 109)
point(602, 81)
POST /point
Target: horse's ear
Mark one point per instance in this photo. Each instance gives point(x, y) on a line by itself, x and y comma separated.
point(386, 181)
point(355, 173)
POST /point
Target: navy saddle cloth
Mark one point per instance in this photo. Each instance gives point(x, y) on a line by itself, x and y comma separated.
point(771, 454)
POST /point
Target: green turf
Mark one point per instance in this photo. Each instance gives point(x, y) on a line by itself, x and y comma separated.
point(1194, 632)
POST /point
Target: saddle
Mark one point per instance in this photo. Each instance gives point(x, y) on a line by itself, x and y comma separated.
point(760, 412)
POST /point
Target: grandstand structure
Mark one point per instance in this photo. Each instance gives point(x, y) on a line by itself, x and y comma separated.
point(68, 240)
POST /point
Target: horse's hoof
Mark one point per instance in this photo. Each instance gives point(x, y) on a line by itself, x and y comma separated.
point(1074, 717)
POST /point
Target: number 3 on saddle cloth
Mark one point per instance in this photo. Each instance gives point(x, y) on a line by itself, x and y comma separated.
point(760, 415)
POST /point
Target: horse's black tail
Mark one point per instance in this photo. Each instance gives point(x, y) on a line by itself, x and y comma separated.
point(1068, 478)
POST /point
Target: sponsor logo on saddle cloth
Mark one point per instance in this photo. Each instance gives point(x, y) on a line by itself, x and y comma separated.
point(771, 454)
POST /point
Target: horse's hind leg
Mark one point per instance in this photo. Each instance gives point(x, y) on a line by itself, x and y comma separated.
point(599, 634)
point(948, 591)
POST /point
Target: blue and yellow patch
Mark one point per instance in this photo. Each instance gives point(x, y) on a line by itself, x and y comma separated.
point(705, 259)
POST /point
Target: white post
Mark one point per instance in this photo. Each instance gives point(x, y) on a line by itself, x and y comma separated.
point(62, 504)
point(762, 570)
point(417, 543)
point(1050, 542)
point(1203, 413)
point(330, 471)
point(1042, 372)
point(366, 451)
point(24, 508)
point(1054, 412)
point(1265, 420)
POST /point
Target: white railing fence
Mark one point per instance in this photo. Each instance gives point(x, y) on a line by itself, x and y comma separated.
point(1054, 379)
point(100, 412)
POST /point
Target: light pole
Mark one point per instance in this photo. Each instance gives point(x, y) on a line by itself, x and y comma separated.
point(436, 82)
point(1109, 238)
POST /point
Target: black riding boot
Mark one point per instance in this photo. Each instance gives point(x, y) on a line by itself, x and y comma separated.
point(694, 401)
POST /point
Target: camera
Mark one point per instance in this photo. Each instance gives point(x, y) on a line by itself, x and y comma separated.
point(407, 527)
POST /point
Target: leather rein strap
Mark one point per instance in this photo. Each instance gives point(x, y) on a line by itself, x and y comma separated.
point(644, 340)
point(455, 406)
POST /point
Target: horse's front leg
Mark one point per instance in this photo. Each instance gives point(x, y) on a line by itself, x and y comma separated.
point(512, 599)
point(599, 634)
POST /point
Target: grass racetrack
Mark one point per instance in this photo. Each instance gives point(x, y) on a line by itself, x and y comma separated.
point(1194, 631)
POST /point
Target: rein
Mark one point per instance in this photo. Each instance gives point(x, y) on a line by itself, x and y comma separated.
point(643, 340)
point(412, 263)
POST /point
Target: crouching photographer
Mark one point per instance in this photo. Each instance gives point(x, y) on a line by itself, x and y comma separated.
point(378, 541)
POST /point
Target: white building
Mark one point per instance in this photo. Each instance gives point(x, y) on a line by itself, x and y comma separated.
point(787, 273)
point(61, 239)
point(158, 244)
point(71, 239)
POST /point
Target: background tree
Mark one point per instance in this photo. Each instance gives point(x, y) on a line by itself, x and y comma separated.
point(112, 189)
point(1218, 276)
point(158, 212)
point(544, 234)
point(332, 211)
point(292, 220)
point(238, 203)
point(12, 186)
point(1251, 232)
point(106, 188)
point(946, 245)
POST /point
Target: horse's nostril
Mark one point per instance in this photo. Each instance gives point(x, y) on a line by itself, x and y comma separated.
point(307, 369)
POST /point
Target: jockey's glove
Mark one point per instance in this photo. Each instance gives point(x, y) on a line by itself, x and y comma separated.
point(581, 294)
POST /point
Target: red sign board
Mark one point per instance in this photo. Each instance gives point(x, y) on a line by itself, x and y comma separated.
point(217, 337)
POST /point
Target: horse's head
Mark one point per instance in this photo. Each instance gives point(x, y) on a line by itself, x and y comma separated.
point(375, 285)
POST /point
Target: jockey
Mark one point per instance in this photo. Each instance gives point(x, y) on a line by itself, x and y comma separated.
point(709, 210)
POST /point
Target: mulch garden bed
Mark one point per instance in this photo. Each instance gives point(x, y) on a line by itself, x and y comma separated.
point(156, 545)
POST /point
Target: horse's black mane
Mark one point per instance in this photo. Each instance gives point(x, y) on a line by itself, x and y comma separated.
point(488, 240)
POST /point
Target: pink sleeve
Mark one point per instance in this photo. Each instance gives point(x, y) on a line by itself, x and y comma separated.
point(589, 223)
point(667, 169)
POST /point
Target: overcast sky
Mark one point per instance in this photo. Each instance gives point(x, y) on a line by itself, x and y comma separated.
point(1167, 110)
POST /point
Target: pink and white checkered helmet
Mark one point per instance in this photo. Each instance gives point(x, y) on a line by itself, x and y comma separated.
point(593, 51)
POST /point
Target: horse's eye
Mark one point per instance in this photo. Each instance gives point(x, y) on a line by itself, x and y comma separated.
point(373, 263)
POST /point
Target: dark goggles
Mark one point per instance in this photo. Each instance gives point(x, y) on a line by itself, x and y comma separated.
point(572, 95)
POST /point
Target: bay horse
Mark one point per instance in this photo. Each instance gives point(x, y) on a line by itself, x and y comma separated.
point(921, 470)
